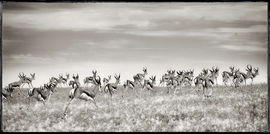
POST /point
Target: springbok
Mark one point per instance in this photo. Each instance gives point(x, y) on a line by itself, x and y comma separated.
point(138, 78)
point(237, 78)
point(42, 93)
point(208, 82)
point(18, 84)
point(250, 74)
point(83, 93)
point(199, 80)
point(226, 76)
point(112, 87)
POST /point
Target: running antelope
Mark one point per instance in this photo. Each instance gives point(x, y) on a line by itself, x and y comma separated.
point(42, 93)
point(18, 84)
point(81, 93)
point(112, 87)
point(228, 76)
point(138, 78)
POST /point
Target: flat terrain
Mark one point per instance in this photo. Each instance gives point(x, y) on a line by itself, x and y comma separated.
point(230, 109)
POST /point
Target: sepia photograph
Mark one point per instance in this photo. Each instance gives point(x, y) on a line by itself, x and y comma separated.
point(134, 67)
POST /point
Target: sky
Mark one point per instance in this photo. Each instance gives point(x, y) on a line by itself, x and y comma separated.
point(53, 38)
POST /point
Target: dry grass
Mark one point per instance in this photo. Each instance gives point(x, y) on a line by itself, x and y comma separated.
point(230, 109)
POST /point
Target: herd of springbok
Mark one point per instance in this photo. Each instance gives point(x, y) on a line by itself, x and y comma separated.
point(172, 80)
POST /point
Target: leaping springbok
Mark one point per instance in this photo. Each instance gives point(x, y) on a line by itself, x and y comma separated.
point(42, 93)
point(83, 93)
point(17, 84)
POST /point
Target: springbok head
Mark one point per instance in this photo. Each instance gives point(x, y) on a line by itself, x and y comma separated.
point(186, 72)
point(256, 71)
point(117, 78)
point(161, 81)
point(153, 79)
point(173, 72)
point(75, 77)
point(109, 77)
point(192, 72)
point(21, 76)
point(236, 71)
point(98, 82)
point(205, 71)
point(145, 70)
point(213, 69)
point(47, 86)
point(60, 76)
point(67, 76)
point(216, 69)
point(179, 73)
point(94, 73)
point(32, 76)
point(249, 68)
point(232, 69)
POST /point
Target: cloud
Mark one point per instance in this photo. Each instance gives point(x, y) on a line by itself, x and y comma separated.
point(29, 58)
point(254, 28)
point(104, 16)
point(245, 48)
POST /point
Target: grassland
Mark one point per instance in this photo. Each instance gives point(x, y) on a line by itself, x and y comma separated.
point(230, 109)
